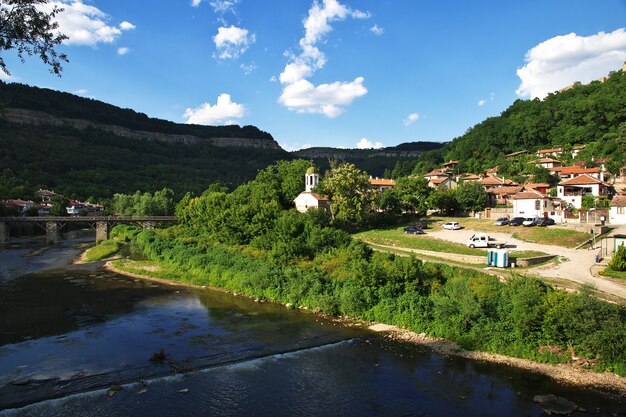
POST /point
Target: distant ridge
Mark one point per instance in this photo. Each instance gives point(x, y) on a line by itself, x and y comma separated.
point(404, 150)
point(41, 106)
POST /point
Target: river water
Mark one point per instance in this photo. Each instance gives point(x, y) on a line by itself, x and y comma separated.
point(70, 333)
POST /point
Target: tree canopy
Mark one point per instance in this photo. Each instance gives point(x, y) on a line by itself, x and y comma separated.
point(29, 28)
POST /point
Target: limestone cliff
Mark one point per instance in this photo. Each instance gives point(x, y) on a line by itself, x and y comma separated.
point(37, 118)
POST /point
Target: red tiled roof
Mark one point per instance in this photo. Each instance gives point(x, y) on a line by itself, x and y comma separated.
point(578, 170)
point(435, 172)
point(510, 190)
point(490, 180)
point(530, 195)
point(551, 150)
point(450, 163)
point(382, 181)
point(536, 185)
point(582, 180)
point(619, 201)
point(438, 181)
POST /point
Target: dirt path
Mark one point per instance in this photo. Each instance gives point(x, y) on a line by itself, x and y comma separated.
point(574, 264)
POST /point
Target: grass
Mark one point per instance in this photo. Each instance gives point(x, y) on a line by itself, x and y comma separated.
point(608, 272)
point(551, 235)
point(103, 250)
point(396, 237)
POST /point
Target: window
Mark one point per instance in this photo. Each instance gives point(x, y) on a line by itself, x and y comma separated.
point(537, 204)
point(620, 210)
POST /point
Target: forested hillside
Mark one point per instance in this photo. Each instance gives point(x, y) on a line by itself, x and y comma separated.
point(59, 104)
point(394, 161)
point(585, 114)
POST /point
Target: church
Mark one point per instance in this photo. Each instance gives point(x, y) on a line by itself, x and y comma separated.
point(308, 199)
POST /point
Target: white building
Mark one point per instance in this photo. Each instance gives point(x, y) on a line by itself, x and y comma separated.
point(572, 190)
point(532, 203)
point(308, 199)
point(617, 215)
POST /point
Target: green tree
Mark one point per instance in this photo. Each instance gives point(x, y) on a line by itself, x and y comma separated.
point(413, 194)
point(618, 261)
point(444, 200)
point(349, 192)
point(28, 26)
point(59, 204)
point(471, 196)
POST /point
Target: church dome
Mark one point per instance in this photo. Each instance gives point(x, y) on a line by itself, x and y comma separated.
point(312, 170)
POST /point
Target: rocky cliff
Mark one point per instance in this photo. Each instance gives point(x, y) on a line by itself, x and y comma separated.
point(37, 118)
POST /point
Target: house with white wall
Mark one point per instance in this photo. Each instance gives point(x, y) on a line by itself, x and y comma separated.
point(572, 190)
point(532, 203)
point(617, 214)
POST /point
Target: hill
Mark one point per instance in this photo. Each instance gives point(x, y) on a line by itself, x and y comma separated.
point(83, 147)
point(592, 114)
point(384, 162)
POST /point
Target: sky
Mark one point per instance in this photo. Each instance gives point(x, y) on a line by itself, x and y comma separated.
point(340, 73)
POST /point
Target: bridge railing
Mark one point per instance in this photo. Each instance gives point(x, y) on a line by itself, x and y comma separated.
point(88, 219)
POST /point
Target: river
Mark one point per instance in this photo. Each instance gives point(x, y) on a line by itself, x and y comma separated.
point(81, 341)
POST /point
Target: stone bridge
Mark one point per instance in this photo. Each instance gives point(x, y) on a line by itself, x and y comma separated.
point(103, 224)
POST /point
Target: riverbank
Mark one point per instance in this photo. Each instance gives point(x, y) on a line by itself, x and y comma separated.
point(605, 383)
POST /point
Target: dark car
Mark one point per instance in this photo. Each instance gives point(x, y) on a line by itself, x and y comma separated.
point(546, 221)
point(413, 230)
point(516, 221)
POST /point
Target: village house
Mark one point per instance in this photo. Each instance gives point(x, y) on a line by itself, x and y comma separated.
point(572, 190)
point(575, 171)
point(617, 214)
point(514, 154)
point(502, 195)
point(446, 182)
point(547, 153)
point(542, 187)
point(547, 163)
point(492, 171)
point(531, 203)
point(490, 182)
point(308, 199)
point(20, 206)
point(471, 178)
point(450, 166)
point(381, 184)
point(576, 149)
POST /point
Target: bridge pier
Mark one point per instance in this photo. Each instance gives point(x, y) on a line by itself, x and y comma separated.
point(53, 232)
point(103, 231)
point(4, 233)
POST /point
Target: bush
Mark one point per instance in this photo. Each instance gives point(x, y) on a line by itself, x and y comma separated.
point(618, 262)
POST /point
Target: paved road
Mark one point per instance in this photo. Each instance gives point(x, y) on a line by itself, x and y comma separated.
point(575, 265)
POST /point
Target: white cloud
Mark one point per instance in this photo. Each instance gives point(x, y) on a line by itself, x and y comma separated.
point(5, 77)
point(298, 93)
point(410, 119)
point(377, 30)
point(195, 3)
point(221, 113)
point(123, 50)
point(365, 143)
point(86, 25)
point(80, 92)
point(248, 69)
point(127, 26)
point(481, 102)
point(232, 42)
point(222, 6)
point(563, 60)
point(327, 99)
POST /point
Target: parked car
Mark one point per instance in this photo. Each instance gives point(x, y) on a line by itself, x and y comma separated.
point(545, 221)
point(530, 221)
point(451, 226)
point(413, 230)
point(502, 221)
point(516, 221)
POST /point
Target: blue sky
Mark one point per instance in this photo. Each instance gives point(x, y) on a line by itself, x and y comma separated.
point(342, 73)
